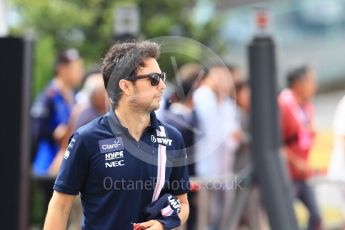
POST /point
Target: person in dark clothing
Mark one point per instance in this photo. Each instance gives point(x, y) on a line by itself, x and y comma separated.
point(182, 116)
point(113, 160)
point(50, 115)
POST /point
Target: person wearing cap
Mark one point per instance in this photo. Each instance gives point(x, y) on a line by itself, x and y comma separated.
point(127, 164)
point(51, 110)
point(50, 113)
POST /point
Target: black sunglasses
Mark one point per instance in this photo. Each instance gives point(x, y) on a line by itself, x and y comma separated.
point(154, 78)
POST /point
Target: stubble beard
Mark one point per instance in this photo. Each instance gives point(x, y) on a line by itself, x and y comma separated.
point(141, 107)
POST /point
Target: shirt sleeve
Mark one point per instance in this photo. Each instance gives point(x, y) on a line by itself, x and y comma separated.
point(288, 132)
point(179, 179)
point(74, 167)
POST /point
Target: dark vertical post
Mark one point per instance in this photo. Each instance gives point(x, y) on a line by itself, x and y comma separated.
point(16, 56)
point(273, 181)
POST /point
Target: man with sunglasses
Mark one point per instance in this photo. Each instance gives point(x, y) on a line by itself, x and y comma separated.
point(127, 161)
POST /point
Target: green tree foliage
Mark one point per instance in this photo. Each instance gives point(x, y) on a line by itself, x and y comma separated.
point(88, 26)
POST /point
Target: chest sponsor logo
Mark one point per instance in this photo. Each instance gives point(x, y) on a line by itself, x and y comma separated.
point(69, 148)
point(114, 159)
point(161, 140)
point(113, 156)
point(111, 145)
point(114, 164)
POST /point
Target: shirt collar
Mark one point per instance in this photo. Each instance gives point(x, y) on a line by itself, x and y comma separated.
point(116, 126)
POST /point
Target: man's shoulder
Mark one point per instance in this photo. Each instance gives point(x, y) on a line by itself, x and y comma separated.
point(171, 131)
point(49, 92)
point(88, 130)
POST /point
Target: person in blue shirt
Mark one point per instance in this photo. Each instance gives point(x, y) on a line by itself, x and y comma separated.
point(50, 113)
point(51, 110)
point(126, 160)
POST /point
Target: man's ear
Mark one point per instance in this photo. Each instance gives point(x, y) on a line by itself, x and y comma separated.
point(126, 87)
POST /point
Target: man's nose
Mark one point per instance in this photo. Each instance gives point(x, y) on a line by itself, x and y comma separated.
point(161, 84)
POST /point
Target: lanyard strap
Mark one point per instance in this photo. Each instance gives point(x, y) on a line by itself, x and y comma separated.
point(160, 165)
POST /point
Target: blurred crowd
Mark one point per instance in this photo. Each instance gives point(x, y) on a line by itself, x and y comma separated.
point(210, 106)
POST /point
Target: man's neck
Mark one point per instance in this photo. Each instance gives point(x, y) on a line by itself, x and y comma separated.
point(64, 89)
point(134, 121)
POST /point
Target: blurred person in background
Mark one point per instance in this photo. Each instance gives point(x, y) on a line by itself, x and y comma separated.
point(216, 114)
point(215, 147)
point(98, 101)
point(336, 169)
point(298, 133)
point(52, 109)
point(92, 102)
point(235, 73)
point(181, 113)
point(252, 215)
point(51, 112)
point(242, 159)
point(182, 116)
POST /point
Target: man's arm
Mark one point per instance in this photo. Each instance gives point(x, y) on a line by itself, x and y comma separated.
point(58, 211)
point(156, 225)
point(184, 208)
point(292, 158)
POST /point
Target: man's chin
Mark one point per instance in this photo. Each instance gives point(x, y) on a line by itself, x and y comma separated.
point(154, 108)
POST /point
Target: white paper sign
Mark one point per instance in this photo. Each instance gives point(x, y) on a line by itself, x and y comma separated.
point(126, 20)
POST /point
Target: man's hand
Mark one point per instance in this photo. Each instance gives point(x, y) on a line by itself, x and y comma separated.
point(302, 167)
point(55, 165)
point(60, 132)
point(238, 135)
point(152, 225)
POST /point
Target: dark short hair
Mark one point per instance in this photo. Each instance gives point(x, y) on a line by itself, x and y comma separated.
point(185, 89)
point(206, 69)
point(122, 61)
point(232, 67)
point(240, 85)
point(65, 57)
point(297, 74)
